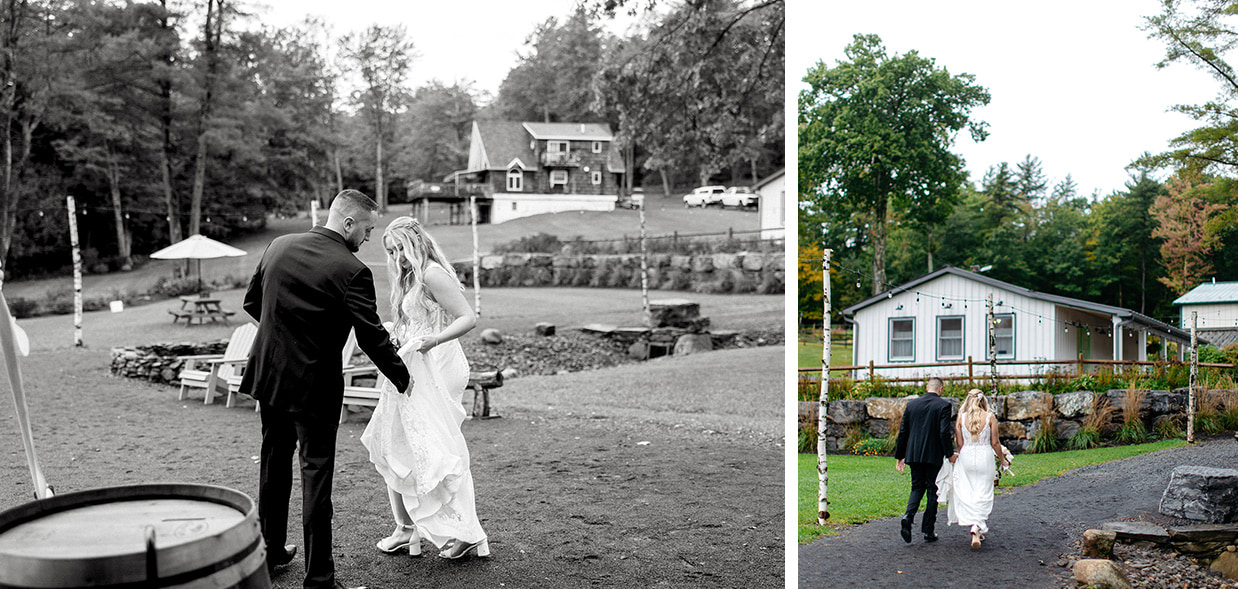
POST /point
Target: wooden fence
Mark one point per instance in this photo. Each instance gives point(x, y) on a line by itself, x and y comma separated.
point(980, 370)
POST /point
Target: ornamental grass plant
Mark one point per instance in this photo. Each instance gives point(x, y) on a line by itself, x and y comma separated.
point(1133, 430)
point(1099, 414)
point(1045, 439)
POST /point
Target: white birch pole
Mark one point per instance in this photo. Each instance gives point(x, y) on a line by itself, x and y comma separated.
point(644, 270)
point(1190, 394)
point(992, 319)
point(476, 258)
point(823, 476)
point(313, 213)
point(77, 275)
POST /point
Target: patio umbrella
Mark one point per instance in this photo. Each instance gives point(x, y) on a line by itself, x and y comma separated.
point(197, 247)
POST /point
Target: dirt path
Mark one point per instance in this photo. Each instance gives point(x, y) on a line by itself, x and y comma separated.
point(1030, 529)
point(621, 499)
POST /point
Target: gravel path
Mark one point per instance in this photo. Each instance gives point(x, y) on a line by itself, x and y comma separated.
point(1031, 529)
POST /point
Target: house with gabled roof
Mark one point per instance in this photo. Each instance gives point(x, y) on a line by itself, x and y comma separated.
point(530, 168)
point(941, 318)
point(1215, 308)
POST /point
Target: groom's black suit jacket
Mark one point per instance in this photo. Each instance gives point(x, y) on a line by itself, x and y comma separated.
point(309, 290)
point(926, 434)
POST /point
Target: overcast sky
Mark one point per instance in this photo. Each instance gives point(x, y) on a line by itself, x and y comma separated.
point(458, 40)
point(1073, 82)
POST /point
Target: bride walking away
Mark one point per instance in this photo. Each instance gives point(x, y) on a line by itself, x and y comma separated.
point(976, 435)
point(414, 440)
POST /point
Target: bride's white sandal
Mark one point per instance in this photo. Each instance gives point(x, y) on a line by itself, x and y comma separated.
point(460, 549)
point(404, 536)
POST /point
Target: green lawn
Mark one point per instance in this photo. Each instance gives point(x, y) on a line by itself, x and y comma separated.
point(864, 488)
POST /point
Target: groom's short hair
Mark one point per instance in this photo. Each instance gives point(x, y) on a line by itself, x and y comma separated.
point(933, 385)
point(351, 202)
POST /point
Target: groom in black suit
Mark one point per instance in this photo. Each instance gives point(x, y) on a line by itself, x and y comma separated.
point(925, 437)
point(309, 290)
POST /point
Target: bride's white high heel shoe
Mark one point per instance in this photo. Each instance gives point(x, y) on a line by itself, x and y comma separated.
point(459, 549)
point(404, 536)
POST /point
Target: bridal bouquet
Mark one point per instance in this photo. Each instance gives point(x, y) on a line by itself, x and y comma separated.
point(1009, 460)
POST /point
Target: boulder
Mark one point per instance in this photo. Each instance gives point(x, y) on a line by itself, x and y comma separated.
point(1202, 494)
point(1072, 405)
point(1137, 531)
point(1028, 405)
point(1226, 565)
point(1118, 396)
point(1100, 574)
point(886, 408)
point(1066, 429)
point(693, 343)
point(491, 336)
point(1206, 539)
point(639, 350)
point(808, 411)
point(674, 312)
point(724, 260)
point(998, 406)
point(1166, 403)
point(847, 411)
point(879, 428)
point(753, 262)
point(1011, 429)
point(544, 328)
point(1098, 543)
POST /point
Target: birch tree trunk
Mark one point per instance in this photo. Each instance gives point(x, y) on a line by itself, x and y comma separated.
point(1190, 395)
point(823, 475)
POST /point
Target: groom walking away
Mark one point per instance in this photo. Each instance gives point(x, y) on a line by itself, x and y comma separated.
point(924, 439)
point(309, 290)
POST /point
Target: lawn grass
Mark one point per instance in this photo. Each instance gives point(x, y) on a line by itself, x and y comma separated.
point(864, 488)
point(810, 354)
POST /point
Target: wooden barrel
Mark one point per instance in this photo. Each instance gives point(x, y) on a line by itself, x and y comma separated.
point(154, 535)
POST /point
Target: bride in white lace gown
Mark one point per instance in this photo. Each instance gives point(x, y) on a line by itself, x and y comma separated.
point(971, 494)
point(415, 441)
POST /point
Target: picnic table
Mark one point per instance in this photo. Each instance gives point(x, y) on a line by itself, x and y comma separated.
point(201, 309)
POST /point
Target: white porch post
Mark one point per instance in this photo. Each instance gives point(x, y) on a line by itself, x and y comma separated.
point(1117, 338)
point(1143, 345)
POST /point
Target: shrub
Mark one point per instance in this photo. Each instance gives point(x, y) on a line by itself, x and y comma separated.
point(1084, 439)
point(1132, 433)
point(1168, 429)
point(807, 436)
point(539, 243)
point(1084, 382)
point(873, 447)
point(1045, 439)
point(23, 308)
point(852, 436)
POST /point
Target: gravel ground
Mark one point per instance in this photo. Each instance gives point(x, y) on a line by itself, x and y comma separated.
point(589, 479)
point(1034, 532)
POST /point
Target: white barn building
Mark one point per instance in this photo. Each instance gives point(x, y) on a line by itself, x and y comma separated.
point(940, 318)
point(1215, 305)
point(771, 205)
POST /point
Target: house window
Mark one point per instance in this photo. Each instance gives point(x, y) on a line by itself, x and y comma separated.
point(515, 180)
point(597, 147)
point(559, 147)
point(950, 338)
point(558, 178)
point(1005, 336)
point(596, 177)
point(902, 339)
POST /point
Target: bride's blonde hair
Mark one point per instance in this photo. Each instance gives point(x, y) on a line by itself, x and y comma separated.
point(411, 243)
point(975, 413)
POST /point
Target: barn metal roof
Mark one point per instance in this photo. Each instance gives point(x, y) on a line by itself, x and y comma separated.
point(1210, 292)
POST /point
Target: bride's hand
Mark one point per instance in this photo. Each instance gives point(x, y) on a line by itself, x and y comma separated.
point(423, 343)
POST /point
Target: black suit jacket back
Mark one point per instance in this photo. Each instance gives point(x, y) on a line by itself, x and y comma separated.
point(308, 291)
point(927, 433)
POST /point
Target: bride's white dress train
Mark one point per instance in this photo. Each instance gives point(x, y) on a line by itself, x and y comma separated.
point(971, 487)
point(415, 441)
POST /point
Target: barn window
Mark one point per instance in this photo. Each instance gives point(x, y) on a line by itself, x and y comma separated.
point(597, 147)
point(1005, 336)
point(902, 339)
point(596, 177)
point(950, 338)
point(515, 180)
point(558, 177)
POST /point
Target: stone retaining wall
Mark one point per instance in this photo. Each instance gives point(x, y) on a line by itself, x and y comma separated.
point(160, 363)
point(1018, 414)
point(755, 272)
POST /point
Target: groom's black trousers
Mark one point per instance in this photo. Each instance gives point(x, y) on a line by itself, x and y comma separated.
point(282, 432)
point(923, 482)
